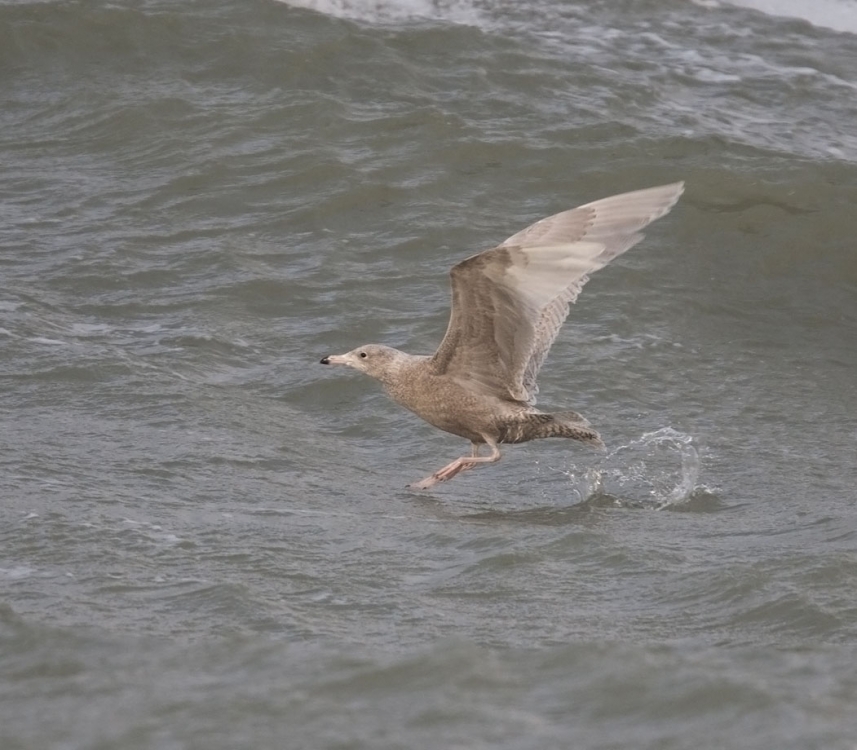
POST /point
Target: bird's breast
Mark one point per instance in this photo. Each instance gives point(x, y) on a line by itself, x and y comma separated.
point(444, 403)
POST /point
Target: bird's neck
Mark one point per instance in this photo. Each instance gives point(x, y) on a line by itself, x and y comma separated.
point(398, 370)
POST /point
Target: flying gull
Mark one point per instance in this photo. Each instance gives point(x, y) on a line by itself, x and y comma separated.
point(508, 304)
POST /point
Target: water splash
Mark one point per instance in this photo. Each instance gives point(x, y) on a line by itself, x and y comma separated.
point(659, 469)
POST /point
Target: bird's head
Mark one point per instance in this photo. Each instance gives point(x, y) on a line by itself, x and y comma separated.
point(375, 360)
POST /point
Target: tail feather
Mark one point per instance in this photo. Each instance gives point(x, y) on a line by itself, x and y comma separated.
point(571, 416)
point(537, 425)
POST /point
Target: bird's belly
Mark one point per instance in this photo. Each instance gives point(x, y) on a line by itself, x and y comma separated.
point(451, 408)
point(458, 422)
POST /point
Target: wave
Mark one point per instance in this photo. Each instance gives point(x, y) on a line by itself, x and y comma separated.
point(839, 15)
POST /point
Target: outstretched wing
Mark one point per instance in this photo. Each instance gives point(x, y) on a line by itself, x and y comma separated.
point(509, 303)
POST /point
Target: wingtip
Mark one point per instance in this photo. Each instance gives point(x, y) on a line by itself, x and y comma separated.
point(677, 189)
point(671, 192)
point(671, 188)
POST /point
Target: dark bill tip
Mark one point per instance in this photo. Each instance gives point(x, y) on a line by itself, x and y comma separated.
point(325, 361)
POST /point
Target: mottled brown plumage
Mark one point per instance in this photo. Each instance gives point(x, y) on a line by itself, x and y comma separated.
point(508, 305)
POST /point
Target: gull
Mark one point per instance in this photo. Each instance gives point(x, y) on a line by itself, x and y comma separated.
point(508, 305)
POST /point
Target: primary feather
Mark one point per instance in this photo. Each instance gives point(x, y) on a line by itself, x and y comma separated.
point(508, 303)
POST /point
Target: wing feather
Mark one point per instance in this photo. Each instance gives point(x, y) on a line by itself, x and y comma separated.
point(509, 303)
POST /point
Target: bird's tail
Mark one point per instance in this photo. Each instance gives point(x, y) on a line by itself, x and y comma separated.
point(537, 425)
point(570, 424)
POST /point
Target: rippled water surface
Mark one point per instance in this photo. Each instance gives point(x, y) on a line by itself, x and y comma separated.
point(205, 537)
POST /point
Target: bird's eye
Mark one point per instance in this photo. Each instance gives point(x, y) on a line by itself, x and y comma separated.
point(363, 355)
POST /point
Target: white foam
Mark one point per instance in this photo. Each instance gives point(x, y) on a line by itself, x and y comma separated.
point(379, 11)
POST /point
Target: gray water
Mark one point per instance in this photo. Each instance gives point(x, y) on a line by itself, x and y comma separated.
point(205, 536)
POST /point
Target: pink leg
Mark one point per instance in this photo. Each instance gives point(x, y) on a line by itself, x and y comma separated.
point(459, 465)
